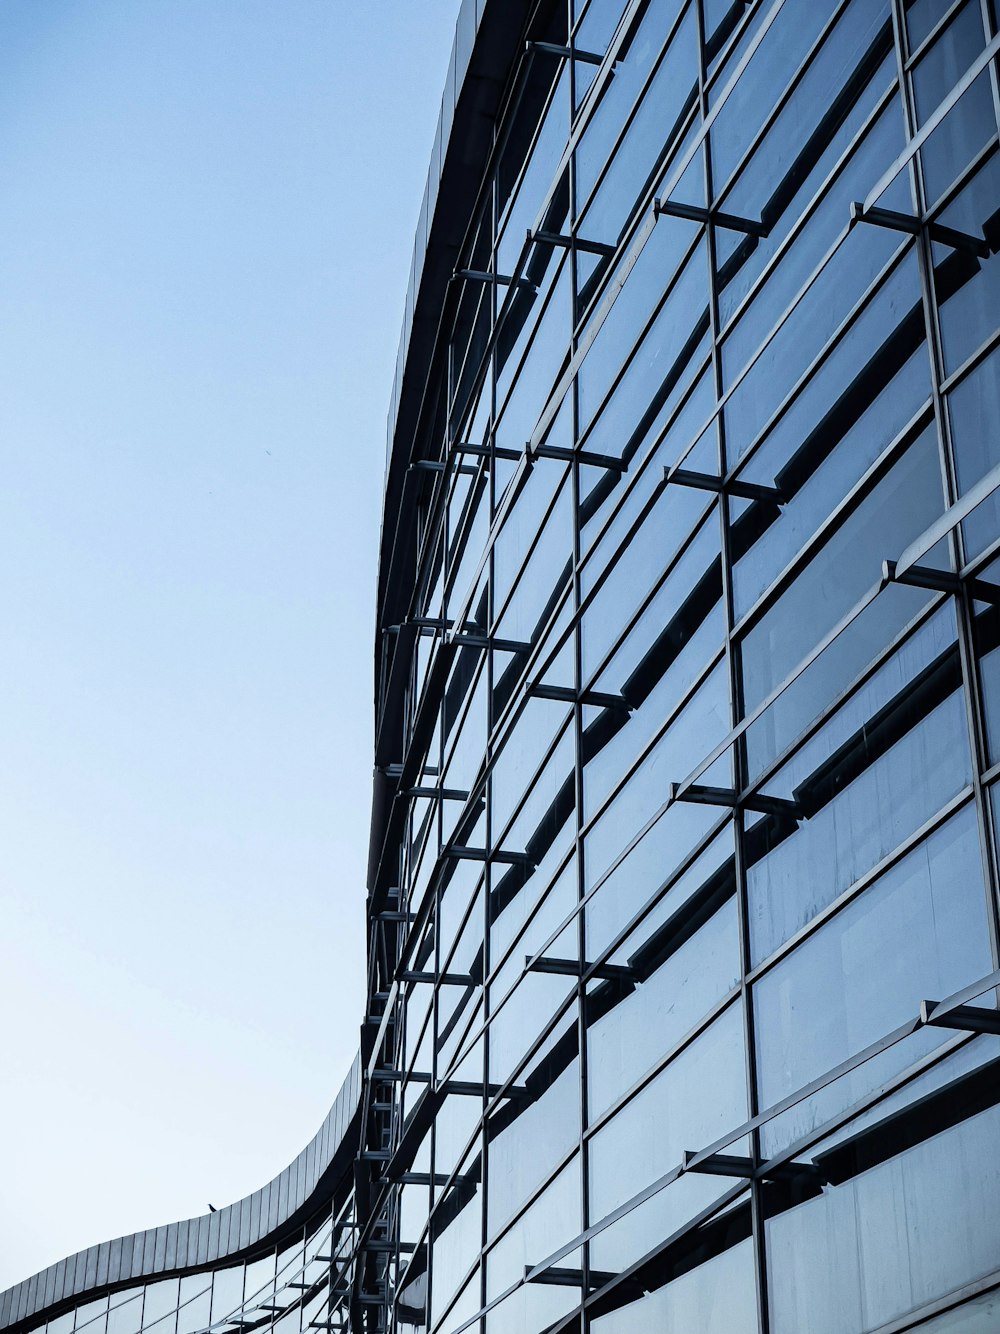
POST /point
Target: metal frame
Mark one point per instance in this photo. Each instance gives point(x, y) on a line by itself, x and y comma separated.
point(489, 807)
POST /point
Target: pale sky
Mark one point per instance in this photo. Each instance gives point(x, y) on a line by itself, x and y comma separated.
point(207, 211)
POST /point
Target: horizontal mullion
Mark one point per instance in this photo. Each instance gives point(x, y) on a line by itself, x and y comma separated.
point(811, 207)
point(633, 111)
point(787, 93)
point(866, 483)
point(637, 342)
point(817, 362)
point(862, 884)
point(936, 118)
point(904, 246)
point(628, 1095)
point(972, 362)
point(587, 603)
point(644, 463)
point(675, 712)
point(943, 22)
point(839, 700)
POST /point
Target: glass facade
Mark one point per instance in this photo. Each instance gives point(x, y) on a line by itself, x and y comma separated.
point(683, 934)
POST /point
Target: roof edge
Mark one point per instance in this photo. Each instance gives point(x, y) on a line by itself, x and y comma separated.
point(231, 1233)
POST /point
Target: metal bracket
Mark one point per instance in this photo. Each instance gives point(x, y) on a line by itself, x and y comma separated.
point(968, 1018)
point(565, 52)
point(431, 622)
point(424, 1179)
point(567, 242)
point(483, 276)
point(609, 972)
point(695, 213)
point(469, 1088)
point(702, 795)
point(446, 979)
point(464, 854)
point(733, 1165)
point(435, 465)
point(566, 694)
point(490, 641)
point(445, 793)
point(609, 461)
point(706, 481)
point(940, 581)
point(484, 451)
point(906, 222)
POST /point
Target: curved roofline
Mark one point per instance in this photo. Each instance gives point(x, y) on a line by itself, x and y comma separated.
point(490, 53)
point(231, 1233)
point(487, 35)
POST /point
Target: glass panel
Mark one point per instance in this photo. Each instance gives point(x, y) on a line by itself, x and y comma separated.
point(635, 60)
point(968, 126)
point(160, 1311)
point(456, 1230)
point(968, 287)
point(554, 1219)
point(899, 508)
point(921, 931)
point(784, 45)
point(974, 406)
point(528, 1134)
point(196, 1303)
point(125, 1315)
point(886, 762)
point(669, 98)
point(892, 1239)
point(717, 1297)
point(227, 1291)
point(698, 1098)
point(681, 970)
point(861, 400)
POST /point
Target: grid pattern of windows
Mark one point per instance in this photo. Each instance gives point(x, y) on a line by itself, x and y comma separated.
point(683, 928)
point(683, 918)
point(283, 1290)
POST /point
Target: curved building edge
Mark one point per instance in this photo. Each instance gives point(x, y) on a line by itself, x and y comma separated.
point(488, 37)
point(229, 1234)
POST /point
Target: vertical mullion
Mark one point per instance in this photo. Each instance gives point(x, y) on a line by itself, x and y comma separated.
point(577, 724)
point(964, 607)
point(989, 28)
point(736, 709)
point(982, 793)
point(490, 387)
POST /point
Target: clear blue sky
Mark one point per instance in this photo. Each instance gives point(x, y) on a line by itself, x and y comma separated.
point(206, 219)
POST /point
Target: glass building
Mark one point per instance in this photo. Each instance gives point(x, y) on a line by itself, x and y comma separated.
point(682, 930)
